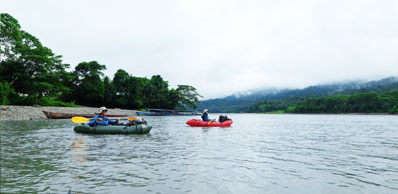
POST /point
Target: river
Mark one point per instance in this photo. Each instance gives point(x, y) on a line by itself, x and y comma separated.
point(260, 153)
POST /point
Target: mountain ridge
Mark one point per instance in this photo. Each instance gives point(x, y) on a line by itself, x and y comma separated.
point(240, 102)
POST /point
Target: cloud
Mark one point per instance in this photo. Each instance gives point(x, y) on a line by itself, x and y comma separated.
point(222, 47)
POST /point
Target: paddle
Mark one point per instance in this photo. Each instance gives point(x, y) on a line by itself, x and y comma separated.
point(85, 120)
point(214, 120)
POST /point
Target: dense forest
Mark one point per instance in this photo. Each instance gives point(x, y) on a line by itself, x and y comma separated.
point(356, 103)
point(31, 73)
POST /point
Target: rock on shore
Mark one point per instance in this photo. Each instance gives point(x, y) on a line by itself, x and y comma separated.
point(34, 113)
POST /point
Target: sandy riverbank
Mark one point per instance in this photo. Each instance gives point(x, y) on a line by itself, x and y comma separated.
point(35, 113)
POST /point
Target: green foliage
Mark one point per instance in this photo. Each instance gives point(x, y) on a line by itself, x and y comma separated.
point(393, 109)
point(156, 93)
point(109, 92)
point(343, 103)
point(226, 105)
point(276, 112)
point(273, 105)
point(290, 109)
point(356, 103)
point(46, 101)
point(128, 90)
point(31, 68)
point(31, 73)
point(89, 87)
point(187, 96)
point(249, 103)
point(7, 95)
point(10, 35)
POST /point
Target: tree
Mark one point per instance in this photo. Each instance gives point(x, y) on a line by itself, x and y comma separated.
point(129, 90)
point(120, 81)
point(89, 88)
point(26, 64)
point(7, 94)
point(32, 73)
point(109, 92)
point(134, 92)
point(155, 92)
point(187, 96)
point(10, 37)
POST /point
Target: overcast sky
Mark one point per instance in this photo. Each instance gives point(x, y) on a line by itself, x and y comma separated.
point(221, 47)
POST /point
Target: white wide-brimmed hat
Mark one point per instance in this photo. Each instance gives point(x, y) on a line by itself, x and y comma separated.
point(205, 110)
point(102, 109)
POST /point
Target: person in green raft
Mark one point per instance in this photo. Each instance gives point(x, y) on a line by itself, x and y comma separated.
point(101, 118)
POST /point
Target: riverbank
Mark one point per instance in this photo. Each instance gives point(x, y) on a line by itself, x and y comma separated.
point(35, 113)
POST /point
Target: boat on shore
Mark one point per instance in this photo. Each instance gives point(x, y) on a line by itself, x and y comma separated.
point(165, 112)
point(57, 115)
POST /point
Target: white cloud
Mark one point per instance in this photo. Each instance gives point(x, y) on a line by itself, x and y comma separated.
point(221, 47)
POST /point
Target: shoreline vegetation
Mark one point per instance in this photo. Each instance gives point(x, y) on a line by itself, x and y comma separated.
point(363, 103)
point(286, 113)
point(31, 74)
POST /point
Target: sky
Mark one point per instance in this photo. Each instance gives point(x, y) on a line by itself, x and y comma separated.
point(221, 46)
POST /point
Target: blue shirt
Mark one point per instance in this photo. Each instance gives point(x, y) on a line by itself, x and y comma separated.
point(205, 117)
point(105, 121)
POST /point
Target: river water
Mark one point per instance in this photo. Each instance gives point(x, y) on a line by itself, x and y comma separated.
point(260, 153)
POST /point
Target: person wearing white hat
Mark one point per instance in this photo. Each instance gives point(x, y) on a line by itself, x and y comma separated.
point(205, 115)
point(101, 119)
point(102, 110)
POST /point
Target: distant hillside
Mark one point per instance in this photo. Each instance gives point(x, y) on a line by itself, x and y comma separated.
point(242, 102)
point(369, 102)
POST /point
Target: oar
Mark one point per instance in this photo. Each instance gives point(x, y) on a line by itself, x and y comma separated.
point(85, 120)
point(211, 121)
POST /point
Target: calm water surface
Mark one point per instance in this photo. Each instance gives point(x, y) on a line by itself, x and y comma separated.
point(258, 154)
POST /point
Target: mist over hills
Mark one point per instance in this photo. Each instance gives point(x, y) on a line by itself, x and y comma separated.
point(242, 101)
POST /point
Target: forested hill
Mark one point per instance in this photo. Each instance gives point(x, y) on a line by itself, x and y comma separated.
point(243, 102)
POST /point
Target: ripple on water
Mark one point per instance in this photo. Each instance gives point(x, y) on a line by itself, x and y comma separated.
point(258, 154)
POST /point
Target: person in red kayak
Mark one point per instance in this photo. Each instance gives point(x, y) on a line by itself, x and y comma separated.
point(205, 115)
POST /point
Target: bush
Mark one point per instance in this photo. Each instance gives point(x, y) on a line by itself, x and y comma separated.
point(7, 94)
point(393, 110)
point(290, 109)
point(46, 101)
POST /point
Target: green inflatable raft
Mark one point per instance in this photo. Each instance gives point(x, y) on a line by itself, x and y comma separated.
point(114, 129)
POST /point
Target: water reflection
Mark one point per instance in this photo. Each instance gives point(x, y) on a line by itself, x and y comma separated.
point(205, 129)
point(79, 149)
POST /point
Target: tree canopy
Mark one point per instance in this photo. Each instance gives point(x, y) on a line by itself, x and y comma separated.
point(29, 67)
point(31, 73)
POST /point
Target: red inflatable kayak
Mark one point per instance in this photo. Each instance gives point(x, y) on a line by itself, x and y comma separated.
point(200, 123)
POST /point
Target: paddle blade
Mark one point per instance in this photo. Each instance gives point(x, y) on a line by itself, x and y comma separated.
point(80, 120)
